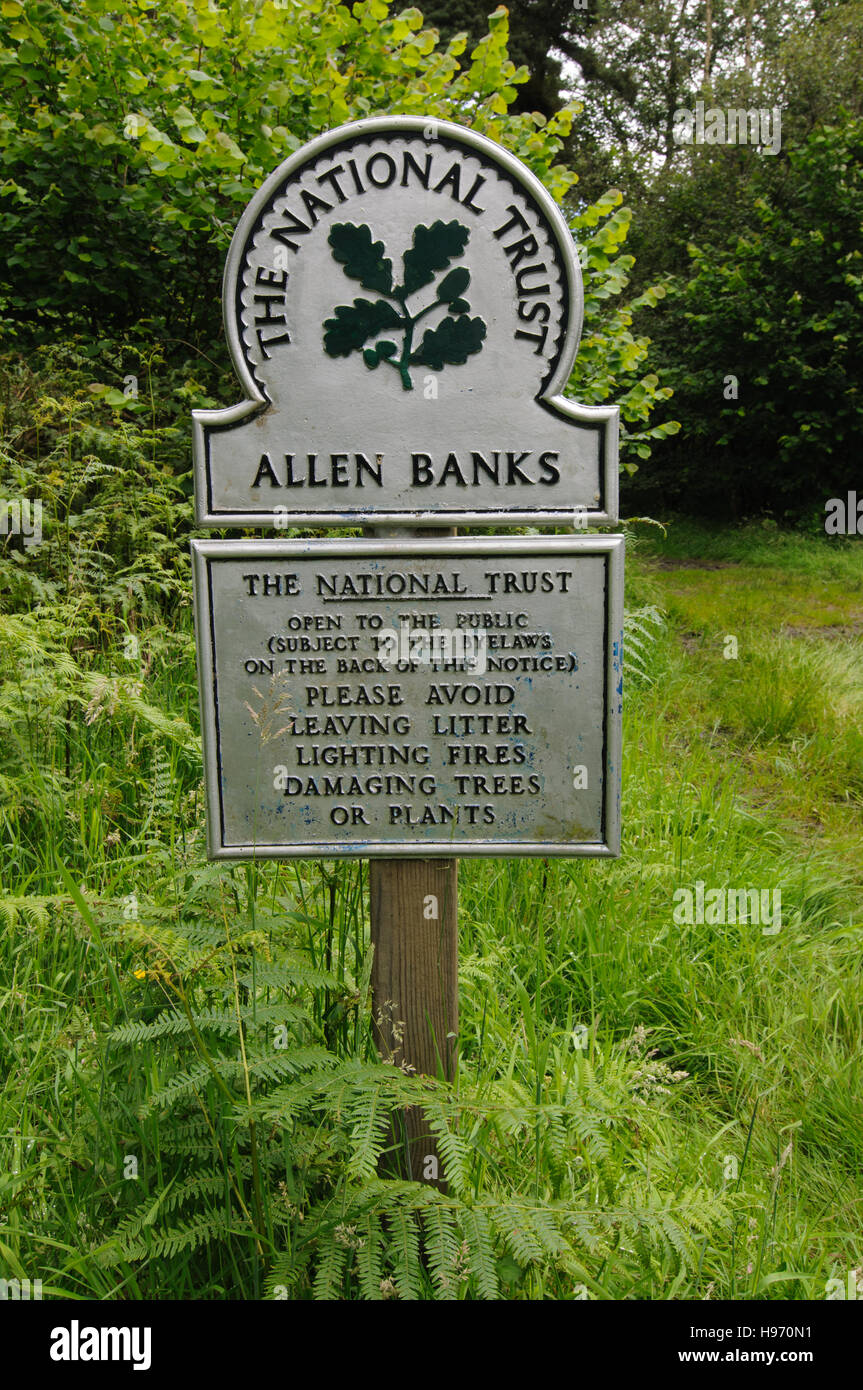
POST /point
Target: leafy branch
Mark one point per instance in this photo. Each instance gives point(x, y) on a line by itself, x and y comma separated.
point(455, 338)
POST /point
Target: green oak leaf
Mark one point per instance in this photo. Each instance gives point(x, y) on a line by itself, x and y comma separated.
point(433, 249)
point(454, 341)
point(362, 258)
point(453, 286)
point(354, 323)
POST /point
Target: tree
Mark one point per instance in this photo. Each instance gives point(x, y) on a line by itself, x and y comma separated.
point(631, 64)
point(134, 137)
point(819, 69)
point(764, 344)
point(536, 28)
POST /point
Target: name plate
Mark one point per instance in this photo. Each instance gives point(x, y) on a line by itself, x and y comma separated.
point(403, 304)
point(411, 697)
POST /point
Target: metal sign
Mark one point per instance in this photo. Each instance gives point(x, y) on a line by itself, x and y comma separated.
point(404, 698)
point(403, 305)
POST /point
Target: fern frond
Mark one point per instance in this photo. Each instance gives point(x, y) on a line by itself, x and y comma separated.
point(288, 1271)
point(332, 1255)
point(369, 1130)
point(287, 974)
point(453, 1150)
point(200, 1184)
point(190, 1235)
point(404, 1246)
point(370, 1258)
point(268, 1067)
point(33, 909)
point(442, 1249)
point(679, 1239)
point(516, 1227)
point(185, 1236)
point(185, 1083)
point(172, 1023)
point(290, 1062)
point(481, 1256)
point(641, 629)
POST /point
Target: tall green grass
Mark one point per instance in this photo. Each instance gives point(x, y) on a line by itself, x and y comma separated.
point(190, 1102)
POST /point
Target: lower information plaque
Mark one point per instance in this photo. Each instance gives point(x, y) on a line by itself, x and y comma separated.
point(411, 697)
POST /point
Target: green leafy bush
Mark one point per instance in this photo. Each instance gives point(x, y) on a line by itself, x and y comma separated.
point(763, 345)
point(132, 138)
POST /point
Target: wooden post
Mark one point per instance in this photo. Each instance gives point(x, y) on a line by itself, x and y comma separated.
point(414, 920)
point(414, 932)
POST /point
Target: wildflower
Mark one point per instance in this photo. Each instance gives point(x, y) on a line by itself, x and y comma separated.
point(347, 1236)
point(752, 1047)
point(460, 1262)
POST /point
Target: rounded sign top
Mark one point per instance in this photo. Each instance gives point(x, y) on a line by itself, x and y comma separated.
point(393, 250)
point(403, 305)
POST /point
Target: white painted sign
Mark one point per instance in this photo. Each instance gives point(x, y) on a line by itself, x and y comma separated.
point(403, 304)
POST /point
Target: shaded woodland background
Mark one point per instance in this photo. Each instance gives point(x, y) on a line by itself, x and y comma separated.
point(108, 229)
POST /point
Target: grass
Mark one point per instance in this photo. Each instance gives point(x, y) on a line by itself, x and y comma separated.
point(685, 1097)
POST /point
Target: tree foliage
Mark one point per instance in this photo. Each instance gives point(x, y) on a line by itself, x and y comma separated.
point(764, 343)
point(133, 137)
point(629, 64)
